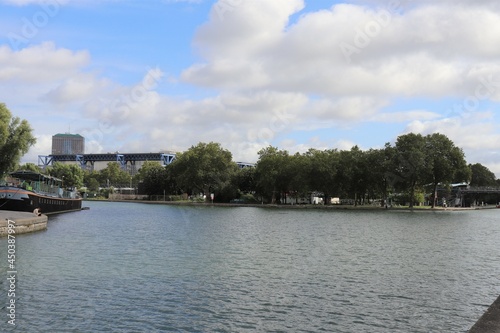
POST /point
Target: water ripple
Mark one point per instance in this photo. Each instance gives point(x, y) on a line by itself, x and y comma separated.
point(190, 269)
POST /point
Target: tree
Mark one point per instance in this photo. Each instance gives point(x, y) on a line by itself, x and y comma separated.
point(481, 176)
point(31, 167)
point(145, 169)
point(154, 178)
point(410, 166)
point(299, 180)
point(322, 171)
point(113, 175)
point(271, 171)
point(205, 167)
point(244, 179)
point(93, 185)
point(71, 174)
point(377, 164)
point(444, 161)
point(353, 174)
point(91, 179)
point(15, 139)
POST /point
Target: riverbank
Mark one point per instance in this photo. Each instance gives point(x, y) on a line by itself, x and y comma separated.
point(490, 321)
point(25, 222)
point(302, 206)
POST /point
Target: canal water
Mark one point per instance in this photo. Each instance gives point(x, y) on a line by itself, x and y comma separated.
point(124, 267)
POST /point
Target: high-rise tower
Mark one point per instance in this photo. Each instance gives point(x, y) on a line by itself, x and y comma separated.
point(68, 144)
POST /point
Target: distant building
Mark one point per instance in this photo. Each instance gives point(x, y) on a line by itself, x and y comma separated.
point(68, 144)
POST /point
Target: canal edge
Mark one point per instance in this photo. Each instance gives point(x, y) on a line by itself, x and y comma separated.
point(489, 321)
point(24, 222)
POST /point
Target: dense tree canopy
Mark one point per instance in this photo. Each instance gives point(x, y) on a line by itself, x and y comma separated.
point(321, 171)
point(272, 172)
point(482, 176)
point(414, 166)
point(16, 138)
point(206, 167)
point(113, 175)
point(409, 163)
point(30, 167)
point(155, 178)
point(444, 162)
point(71, 174)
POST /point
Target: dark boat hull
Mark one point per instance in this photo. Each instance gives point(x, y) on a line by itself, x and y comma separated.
point(27, 201)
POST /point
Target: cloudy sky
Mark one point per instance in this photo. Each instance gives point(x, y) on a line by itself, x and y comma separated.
point(149, 76)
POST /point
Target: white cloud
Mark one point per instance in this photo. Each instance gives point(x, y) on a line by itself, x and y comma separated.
point(269, 76)
point(476, 134)
point(43, 144)
point(424, 52)
point(404, 116)
point(475, 131)
point(79, 87)
point(40, 63)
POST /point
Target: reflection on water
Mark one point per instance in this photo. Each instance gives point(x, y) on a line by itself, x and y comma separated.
point(146, 268)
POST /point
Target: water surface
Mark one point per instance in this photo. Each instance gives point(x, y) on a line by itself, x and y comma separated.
point(123, 267)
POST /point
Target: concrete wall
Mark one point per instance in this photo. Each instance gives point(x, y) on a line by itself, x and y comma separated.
point(25, 222)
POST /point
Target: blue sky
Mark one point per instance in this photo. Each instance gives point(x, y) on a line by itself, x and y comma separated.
point(148, 76)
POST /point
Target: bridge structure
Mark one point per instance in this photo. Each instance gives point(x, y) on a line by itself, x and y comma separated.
point(470, 196)
point(129, 162)
point(480, 190)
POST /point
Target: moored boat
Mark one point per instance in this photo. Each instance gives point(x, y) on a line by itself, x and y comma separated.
point(30, 190)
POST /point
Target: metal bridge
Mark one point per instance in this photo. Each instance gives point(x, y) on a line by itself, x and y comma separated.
point(471, 196)
point(480, 190)
point(88, 160)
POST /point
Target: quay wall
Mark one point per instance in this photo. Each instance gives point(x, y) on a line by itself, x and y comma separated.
point(490, 321)
point(24, 222)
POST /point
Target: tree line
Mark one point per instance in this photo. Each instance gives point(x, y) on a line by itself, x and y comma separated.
point(413, 166)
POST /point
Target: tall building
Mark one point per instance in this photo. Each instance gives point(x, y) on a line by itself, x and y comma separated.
point(68, 144)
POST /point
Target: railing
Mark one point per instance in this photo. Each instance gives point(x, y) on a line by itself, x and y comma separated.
point(483, 189)
point(52, 190)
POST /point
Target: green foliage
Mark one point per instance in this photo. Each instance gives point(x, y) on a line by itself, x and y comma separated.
point(93, 185)
point(413, 164)
point(419, 161)
point(273, 172)
point(71, 174)
point(113, 175)
point(15, 139)
point(91, 179)
point(377, 164)
point(410, 163)
point(321, 170)
point(206, 168)
point(404, 198)
point(244, 180)
point(444, 162)
point(248, 198)
point(482, 176)
point(156, 179)
point(31, 167)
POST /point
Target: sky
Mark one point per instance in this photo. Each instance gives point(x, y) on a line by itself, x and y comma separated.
point(164, 75)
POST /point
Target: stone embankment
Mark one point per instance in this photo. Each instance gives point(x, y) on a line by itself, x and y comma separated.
point(490, 321)
point(24, 222)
